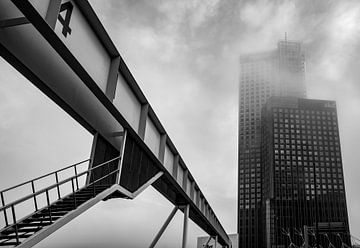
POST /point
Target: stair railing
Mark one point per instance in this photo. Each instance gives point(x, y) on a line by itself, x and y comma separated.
point(35, 193)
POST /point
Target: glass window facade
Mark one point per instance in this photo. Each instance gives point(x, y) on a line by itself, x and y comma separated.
point(302, 168)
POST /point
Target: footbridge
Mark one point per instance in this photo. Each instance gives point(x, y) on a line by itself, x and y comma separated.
point(62, 48)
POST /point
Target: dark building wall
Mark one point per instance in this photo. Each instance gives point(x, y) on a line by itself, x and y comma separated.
point(302, 170)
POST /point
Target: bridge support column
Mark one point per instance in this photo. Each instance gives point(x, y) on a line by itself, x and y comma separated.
point(162, 229)
point(207, 242)
point(185, 228)
point(215, 241)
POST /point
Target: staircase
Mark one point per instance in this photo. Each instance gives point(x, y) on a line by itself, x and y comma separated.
point(40, 222)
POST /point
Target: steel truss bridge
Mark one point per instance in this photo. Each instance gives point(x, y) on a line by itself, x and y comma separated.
point(62, 48)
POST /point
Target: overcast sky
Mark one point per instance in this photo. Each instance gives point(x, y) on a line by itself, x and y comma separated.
point(184, 55)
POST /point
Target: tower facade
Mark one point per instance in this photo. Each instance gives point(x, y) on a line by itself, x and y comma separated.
point(280, 72)
point(303, 182)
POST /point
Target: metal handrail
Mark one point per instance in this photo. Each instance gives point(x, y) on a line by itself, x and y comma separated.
point(39, 210)
point(55, 184)
point(47, 189)
point(43, 176)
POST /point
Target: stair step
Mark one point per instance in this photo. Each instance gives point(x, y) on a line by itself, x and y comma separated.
point(85, 193)
point(63, 204)
point(91, 192)
point(68, 206)
point(90, 188)
point(77, 197)
point(31, 224)
point(81, 197)
point(46, 215)
point(27, 229)
point(53, 212)
point(20, 230)
point(47, 219)
point(70, 203)
point(65, 207)
point(8, 243)
point(97, 188)
point(13, 236)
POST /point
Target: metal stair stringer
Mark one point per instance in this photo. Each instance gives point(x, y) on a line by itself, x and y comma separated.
point(46, 231)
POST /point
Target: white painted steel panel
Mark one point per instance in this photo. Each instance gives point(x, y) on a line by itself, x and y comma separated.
point(152, 137)
point(169, 160)
point(127, 103)
point(37, 54)
point(85, 46)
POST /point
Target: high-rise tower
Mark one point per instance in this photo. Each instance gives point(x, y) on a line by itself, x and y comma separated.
point(303, 182)
point(280, 72)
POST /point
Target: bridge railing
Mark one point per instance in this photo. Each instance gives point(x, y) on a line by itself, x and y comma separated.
point(14, 211)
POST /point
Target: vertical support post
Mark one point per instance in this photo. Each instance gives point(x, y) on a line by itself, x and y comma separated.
point(207, 242)
point(121, 157)
point(15, 224)
point(73, 190)
point(53, 12)
point(57, 185)
point(33, 191)
point(112, 78)
point(162, 229)
point(76, 177)
point(3, 204)
point(185, 228)
point(92, 157)
point(48, 204)
point(143, 117)
point(216, 241)
point(162, 148)
point(306, 237)
point(192, 191)
point(176, 164)
point(185, 178)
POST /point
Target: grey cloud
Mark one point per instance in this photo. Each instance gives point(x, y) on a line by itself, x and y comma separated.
point(187, 66)
point(209, 56)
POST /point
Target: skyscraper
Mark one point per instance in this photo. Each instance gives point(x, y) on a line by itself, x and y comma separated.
point(280, 72)
point(303, 181)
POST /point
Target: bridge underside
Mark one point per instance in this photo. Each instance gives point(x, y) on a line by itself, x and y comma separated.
point(137, 170)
